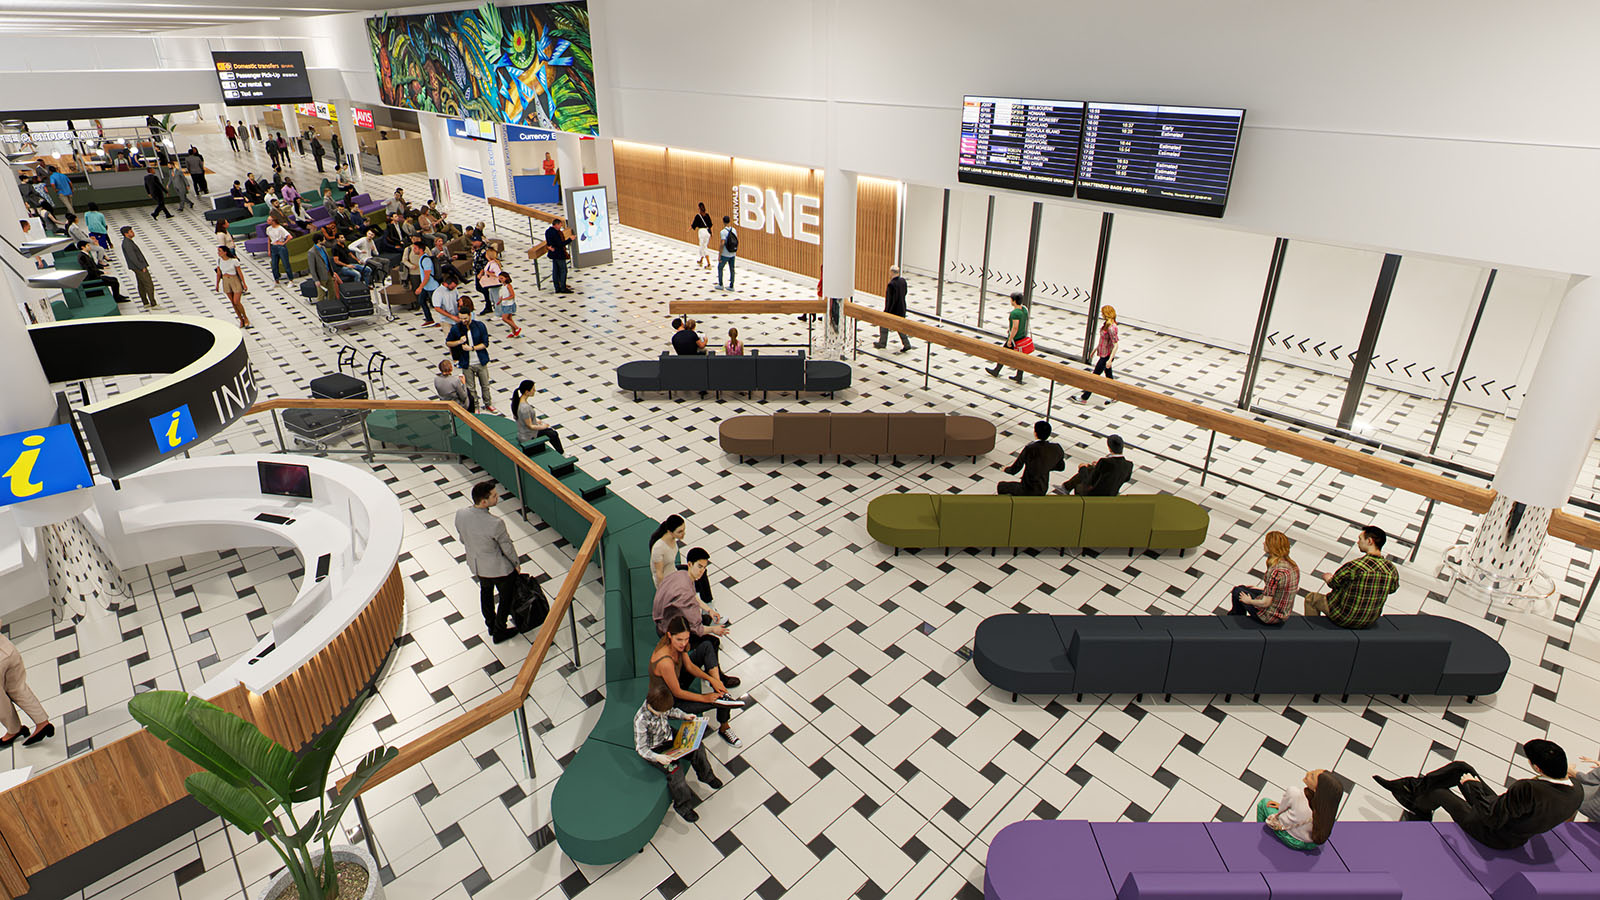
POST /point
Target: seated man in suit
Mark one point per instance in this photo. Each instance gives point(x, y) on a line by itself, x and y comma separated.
point(1035, 462)
point(1530, 807)
point(1103, 479)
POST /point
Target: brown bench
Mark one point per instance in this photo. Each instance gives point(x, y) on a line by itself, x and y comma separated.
point(857, 434)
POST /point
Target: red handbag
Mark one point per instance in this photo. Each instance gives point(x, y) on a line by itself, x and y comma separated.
point(1024, 345)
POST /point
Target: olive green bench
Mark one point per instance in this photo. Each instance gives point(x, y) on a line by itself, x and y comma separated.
point(1132, 521)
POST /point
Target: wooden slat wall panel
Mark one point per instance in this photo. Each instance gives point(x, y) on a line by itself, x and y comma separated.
point(877, 232)
point(658, 189)
point(12, 882)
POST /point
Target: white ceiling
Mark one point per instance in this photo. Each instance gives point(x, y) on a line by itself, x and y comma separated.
point(154, 16)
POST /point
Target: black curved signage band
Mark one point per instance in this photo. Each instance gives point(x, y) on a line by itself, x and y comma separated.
point(208, 383)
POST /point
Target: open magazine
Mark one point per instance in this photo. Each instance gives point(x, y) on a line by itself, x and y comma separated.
point(690, 734)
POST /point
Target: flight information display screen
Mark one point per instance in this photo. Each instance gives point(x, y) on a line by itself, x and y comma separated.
point(1029, 145)
point(262, 77)
point(1176, 158)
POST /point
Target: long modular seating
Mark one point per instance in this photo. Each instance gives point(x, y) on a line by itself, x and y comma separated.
point(857, 434)
point(1132, 521)
point(713, 372)
point(1029, 653)
point(1360, 861)
point(608, 802)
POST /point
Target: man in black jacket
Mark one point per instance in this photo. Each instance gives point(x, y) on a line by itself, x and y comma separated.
point(157, 192)
point(1528, 808)
point(97, 273)
point(394, 238)
point(1103, 479)
point(894, 303)
point(1035, 462)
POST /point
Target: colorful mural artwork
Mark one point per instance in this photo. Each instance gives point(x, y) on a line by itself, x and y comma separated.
point(523, 65)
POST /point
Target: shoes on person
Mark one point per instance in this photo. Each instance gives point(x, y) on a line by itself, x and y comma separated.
point(1060, 489)
point(994, 371)
point(711, 781)
point(1017, 378)
point(689, 815)
point(729, 736)
point(731, 681)
point(6, 742)
point(877, 346)
point(490, 409)
point(516, 332)
point(506, 635)
point(48, 731)
point(1078, 400)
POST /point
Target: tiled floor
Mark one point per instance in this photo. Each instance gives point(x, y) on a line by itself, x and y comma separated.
point(877, 762)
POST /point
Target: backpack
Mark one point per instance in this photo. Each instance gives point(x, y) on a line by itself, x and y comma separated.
point(731, 242)
point(531, 606)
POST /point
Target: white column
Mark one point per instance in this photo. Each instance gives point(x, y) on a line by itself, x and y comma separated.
point(1548, 446)
point(347, 134)
point(28, 403)
point(291, 127)
point(569, 161)
point(838, 255)
point(436, 153)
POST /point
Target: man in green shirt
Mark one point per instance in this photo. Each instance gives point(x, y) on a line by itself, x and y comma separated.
point(1357, 591)
point(1016, 335)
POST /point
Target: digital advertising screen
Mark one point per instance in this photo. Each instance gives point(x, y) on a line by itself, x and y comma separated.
point(521, 65)
point(591, 221)
point(1027, 145)
point(1175, 158)
point(260, 77)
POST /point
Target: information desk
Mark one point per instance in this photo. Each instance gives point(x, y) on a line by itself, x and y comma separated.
point(186, 506)
point(21, 570)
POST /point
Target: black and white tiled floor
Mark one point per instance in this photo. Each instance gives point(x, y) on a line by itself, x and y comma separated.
point(877, 764)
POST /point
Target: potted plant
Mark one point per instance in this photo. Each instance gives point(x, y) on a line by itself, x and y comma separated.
point(253, 783)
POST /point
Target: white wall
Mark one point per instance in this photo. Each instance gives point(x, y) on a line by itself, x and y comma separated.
point(1431, 126)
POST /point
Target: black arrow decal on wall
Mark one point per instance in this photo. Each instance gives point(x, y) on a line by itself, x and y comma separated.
point(1272, 339)
point(1425, 372)
point(1318, 348)
point(1507, 391)
point(1303, 344)
point(1485, 386)
point(1446, 376)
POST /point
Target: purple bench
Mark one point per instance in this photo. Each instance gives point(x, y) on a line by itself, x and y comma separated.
point(1368, 860)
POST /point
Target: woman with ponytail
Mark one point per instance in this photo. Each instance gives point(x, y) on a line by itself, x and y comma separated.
point(666, 555)
point(529, 426)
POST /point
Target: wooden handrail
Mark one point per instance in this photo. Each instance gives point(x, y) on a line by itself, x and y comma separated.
point(508, 701)
point(1580, 530)
point(1323, 451)
point(519, 209)
point(745, 307)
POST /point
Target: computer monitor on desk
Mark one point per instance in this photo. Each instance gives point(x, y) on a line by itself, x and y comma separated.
point(284, 479)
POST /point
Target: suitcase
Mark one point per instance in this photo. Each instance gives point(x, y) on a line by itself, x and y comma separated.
point(316, 426)
point(331, 312)
point(359, 306)
point(308, 289)
point(531, 607)
point(338, 386)
point(349, 290)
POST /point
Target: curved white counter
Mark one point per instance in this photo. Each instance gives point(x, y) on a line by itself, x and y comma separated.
point(184, 506)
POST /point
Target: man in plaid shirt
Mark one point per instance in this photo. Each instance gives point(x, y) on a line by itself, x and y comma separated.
point(653, 732)
point(1357, 591)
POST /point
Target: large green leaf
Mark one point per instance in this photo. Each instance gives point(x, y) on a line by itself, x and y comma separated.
point(166, 714)
point(266, 761)
point(310, 776)
point(368, 767)
point(238, 806)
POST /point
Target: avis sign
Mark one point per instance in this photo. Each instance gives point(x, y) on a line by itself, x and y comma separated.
point(789, 215)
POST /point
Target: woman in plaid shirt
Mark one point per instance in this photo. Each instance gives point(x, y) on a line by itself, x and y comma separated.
point(1270, 605)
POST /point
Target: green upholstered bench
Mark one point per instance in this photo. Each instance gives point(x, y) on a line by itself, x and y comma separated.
point(84, 303)
point(1133, 521)
point(608, 802)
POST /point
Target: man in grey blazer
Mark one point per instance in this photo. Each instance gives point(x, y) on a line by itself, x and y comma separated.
point(490, 557)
